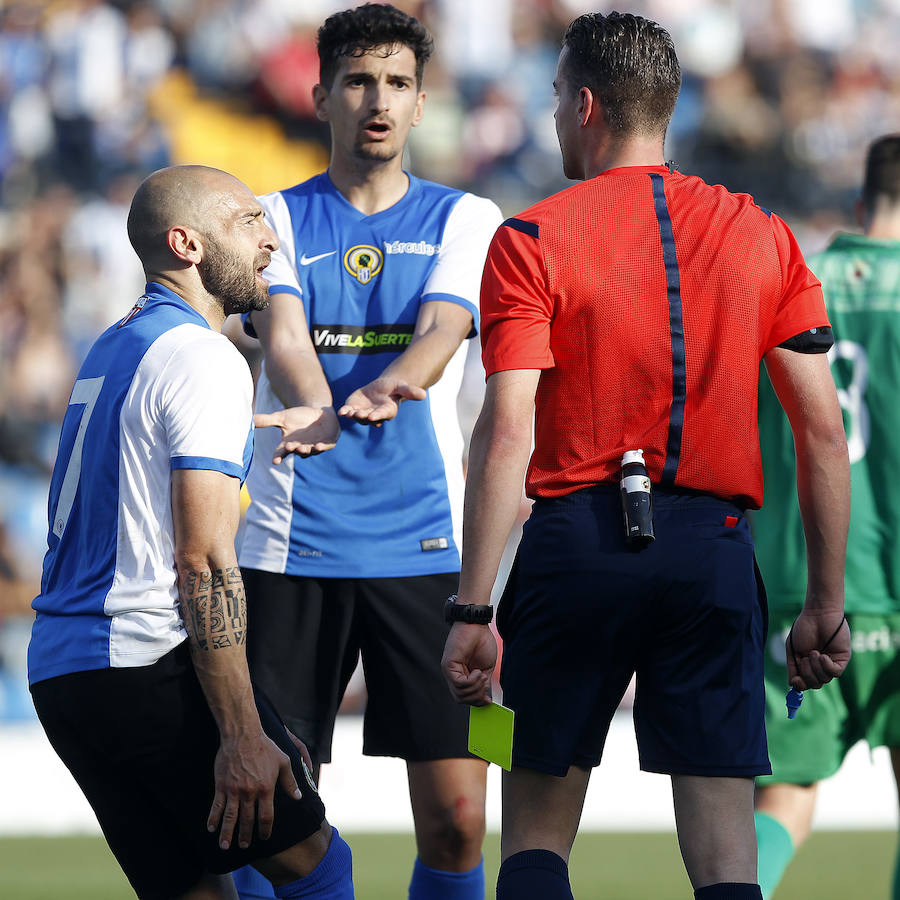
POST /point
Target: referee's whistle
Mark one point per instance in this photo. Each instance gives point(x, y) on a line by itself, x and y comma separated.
point(793, 701)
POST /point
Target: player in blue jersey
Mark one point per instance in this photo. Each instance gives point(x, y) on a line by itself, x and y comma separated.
point(137, 660)
point(353, 551)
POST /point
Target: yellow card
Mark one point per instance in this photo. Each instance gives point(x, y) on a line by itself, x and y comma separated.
point(491, 733)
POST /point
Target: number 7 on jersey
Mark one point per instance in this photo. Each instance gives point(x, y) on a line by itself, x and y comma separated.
point(86, 391)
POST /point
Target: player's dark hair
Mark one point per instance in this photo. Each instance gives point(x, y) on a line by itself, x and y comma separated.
point(882, 172)
point(629, 64)
point(354, 32)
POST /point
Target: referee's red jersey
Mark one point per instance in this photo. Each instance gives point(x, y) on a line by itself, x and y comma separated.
point(648, 299)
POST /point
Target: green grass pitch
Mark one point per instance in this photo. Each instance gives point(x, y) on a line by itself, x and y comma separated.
point(605, 866)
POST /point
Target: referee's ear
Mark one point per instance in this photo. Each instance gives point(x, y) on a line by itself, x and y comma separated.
point(588, 108)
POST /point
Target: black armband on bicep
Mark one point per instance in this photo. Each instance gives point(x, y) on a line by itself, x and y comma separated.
point(814, 340)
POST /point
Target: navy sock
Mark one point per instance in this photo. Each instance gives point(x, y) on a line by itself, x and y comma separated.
point(729, 890)
point(331, 879)
point(534, 873)
point(435, 884)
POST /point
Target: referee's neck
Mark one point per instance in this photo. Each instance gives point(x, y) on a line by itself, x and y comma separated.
point(638, 151)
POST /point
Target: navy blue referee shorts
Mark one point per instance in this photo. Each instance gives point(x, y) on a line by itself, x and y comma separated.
point(581, 613)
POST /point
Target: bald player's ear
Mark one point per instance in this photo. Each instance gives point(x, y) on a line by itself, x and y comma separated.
point(185, 244)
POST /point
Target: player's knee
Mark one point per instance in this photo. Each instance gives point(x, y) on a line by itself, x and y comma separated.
point(452, 834)
point(466, 821)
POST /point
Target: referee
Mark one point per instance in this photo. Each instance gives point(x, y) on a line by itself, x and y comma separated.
point(631, 312)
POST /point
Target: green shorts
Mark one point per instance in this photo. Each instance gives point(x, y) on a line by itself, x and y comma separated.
point(864, 703)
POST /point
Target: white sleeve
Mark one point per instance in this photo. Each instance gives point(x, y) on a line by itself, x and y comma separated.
point(206, 395)
point(282, 270)
point(457, 275)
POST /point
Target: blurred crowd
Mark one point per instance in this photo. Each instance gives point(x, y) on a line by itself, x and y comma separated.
point(780, 98)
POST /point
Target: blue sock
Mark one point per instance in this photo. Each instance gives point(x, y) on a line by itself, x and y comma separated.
point(776, 849)
point(435, 884)
point(728, 890)
point(331, 879)
point(534, 873)
point(251, 885)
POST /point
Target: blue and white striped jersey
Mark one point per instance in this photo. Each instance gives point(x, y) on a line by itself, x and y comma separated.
point(386, 502)
point(159, 391)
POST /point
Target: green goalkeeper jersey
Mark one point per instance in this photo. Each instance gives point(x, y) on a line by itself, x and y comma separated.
point(861, 280)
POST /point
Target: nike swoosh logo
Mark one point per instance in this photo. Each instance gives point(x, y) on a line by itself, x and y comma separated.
point(307, 260)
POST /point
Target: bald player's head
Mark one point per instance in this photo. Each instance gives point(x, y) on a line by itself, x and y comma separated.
point(193, 197)
point(196, 228)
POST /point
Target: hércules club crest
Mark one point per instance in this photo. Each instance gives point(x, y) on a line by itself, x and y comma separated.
point(363, 262)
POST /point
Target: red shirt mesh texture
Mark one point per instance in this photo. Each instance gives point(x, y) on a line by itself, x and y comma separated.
point(587, 302)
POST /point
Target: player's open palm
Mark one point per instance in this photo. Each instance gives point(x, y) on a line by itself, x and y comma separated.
point(247, 771)
point(818, 649)
point(379, 400)
point(305, 430)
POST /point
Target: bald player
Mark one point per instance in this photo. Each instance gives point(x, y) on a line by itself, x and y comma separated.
point(137, 660)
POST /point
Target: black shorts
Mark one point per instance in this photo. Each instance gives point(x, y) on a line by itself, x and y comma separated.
point(141, 743)
point(305, 635)
point(581, 613)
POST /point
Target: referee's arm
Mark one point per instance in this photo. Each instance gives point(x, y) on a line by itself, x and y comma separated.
point(498, 457)
point(806, 390)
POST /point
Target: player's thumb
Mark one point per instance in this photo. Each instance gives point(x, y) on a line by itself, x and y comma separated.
point(409, 391)
point(266, 420)
point(287, 781)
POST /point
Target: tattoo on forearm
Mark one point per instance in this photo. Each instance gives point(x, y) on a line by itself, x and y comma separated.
point(214, 607)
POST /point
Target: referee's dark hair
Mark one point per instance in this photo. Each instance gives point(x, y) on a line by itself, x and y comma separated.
point(354, 32)
point(629, 64)
point(882, 172)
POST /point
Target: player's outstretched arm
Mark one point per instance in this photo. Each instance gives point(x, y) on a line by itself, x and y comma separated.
point(806, 390)
point(305, 430)
point(309, 423)
point(378, 401)
point(440, 328)
point(248, 766)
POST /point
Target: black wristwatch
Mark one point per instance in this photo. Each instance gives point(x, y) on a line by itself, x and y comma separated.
point(471, 613)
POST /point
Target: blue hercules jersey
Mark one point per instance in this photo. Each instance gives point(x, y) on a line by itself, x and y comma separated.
point(158, 391)
point(386, 502)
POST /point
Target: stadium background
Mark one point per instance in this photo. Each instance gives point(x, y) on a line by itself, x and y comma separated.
point(780, 98)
